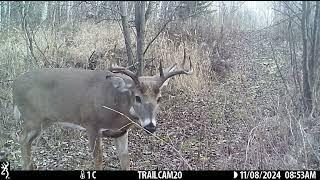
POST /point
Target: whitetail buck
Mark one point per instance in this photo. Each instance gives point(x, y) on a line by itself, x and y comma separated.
point(76, 97)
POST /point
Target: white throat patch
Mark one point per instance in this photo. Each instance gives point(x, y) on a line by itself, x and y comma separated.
point(132, 112)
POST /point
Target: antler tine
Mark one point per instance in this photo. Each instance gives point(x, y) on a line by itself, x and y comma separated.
point(127, 72)
point(172, 67)
point(177, 72)
point(161, 69)
point(184, 57)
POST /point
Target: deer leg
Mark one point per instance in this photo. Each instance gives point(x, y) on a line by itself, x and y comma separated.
point(28, 136)
point(95, 145)
point(122, 148)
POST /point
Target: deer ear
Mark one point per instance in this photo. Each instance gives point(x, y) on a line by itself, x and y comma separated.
point(120, 84)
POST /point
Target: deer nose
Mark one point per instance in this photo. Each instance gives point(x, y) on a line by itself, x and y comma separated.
point(151, 127)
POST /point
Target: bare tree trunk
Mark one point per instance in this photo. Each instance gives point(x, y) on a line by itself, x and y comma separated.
point(44, 11)
point(8, 14)
point(2, 16)
point(317, 53)
point(140, 10)
point(53, 15)
point(69, 4)
point(311, 62)
point(58, 9)
point(126, 32)
point(307, 94)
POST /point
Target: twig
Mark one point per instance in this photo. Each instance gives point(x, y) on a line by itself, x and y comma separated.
point(36, 44)
point(89, 60)
point(133, 122)
point(303, 140)
point(290, 120)
point(249, 141)
point(156, 36)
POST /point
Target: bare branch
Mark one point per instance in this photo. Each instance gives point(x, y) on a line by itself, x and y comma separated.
point(295, 4)
point(91, 55)
point(281, 75)
point(166, 23)
point(291, 17)
point(38, 48)
point(285, 3)
point(156, 36)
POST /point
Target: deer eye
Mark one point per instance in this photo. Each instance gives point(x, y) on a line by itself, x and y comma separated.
point(159, 99)
point(138, 99)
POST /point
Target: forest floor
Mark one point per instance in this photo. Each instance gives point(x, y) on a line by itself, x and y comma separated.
point(231, 124)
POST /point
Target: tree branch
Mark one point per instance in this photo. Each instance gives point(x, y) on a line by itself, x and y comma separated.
point(167, 22)
point(281, 75)
point(156, 36)
point(38, 48)
point(291, 10)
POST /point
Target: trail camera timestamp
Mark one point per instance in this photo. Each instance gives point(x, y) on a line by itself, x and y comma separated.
point(275, 175)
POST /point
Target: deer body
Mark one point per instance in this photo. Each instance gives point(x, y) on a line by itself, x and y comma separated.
point(71, 95)
point(76, 97)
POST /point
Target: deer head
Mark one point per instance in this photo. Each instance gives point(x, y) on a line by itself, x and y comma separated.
point(147, 92)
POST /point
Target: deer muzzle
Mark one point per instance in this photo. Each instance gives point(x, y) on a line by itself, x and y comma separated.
point(150, 127)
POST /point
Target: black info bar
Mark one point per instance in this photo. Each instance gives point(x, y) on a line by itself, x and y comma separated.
point(159, 174)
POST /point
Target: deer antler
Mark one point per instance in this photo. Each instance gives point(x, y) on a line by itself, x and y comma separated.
point(127, 72)
point(164, 77)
